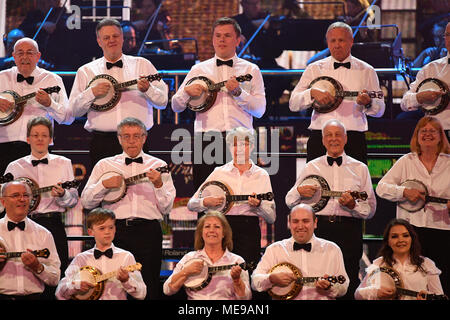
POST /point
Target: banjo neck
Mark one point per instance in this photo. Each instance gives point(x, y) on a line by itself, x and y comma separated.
point(108, 275)
point(133, 82)
point(140, 176)
point(217, 86)
point(38, 253)
point(244, 197)
point(435, 199)
point(26, 97)
point(65, 185)
point(372, 94)
point(243, 265)
point(427, 296)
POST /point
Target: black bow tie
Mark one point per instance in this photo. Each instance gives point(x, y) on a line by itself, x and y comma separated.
point(36, 162)
point(118, 64)
point(12, 225)
point(304, 246)
point(130, 160)
point(345, 65)
point(227, 62)
point(21, 78)
point(338, 160)
point(108, 253)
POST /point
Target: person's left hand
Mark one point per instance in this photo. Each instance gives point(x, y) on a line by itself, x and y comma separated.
point(43, 98)
point(323, 284)
point(363, 98)
point(155, 177)
point(58, 191)
point(253, 201)
point(122, 275)
point(347, 200)
point(232, 84)
point(30, 260)
point(236, 272)
point(143, 84)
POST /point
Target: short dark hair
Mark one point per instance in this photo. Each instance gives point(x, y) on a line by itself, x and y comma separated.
point(131, 122)
point(40, 121)
point(226, 20)
point(107, 22)
point(98, 216)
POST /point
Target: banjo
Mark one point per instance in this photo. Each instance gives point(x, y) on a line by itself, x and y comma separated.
point(293, 289)
point(441, 103)
point(16, 110)
point(6, 178)
point(95, 277)
point(333, 87)
point(206, 100)
point(199, 281)
point(419, 204)
point(44, 253)
point(117, 194)
point(36, 191)
point(321, 197)
point(111, 99)
point(388, 277)
point(220, 189)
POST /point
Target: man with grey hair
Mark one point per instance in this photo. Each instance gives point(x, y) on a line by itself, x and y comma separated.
point(313, 256)
point(243, 177)
point(25, 78)
point(340, 218)
point(354, 75)
point(144, 201)
point(137, 102)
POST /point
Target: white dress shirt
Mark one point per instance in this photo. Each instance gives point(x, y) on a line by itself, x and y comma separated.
point(142, 200)
point(221, 286)
point(409, 166)
point(58, 109)
point(412, 279)
point(15, 277)
point(114, 289)
point(360, 76)
point(325, 258)
point(58, 169)
point(352, 175)
point(256, 179)
point(439, 69)
point(133, 102)
point(228, 112)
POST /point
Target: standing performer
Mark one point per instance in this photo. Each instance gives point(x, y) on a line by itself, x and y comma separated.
point(352, 74)
point(236, 103)
point(133, 102)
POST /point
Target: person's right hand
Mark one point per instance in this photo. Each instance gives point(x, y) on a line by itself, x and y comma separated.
point(413, 195)
point(428, 96)
point(322, 97)
point(194, 268)
point(5, 105)
point(385, 293)
point(211, 202)
point(281, 279)
point(307, 191)
point(112, 182)
point(101, 89)
point(194, 90)
point(84, 287)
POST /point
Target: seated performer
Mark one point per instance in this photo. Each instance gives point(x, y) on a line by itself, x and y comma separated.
point(340, 219)
point(237, 102)
point(400, 251)
point(243, 177)
point(106, 258)
point(313, 256)
point(429, 164)
point(24, 277)
point(354, 75)
point(136, 101)
point(144, 201)
point(26, 78)
point(213, 245)
point(437, 69)
point(48, 170)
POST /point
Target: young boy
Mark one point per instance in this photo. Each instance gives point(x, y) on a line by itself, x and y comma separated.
point(106, 258)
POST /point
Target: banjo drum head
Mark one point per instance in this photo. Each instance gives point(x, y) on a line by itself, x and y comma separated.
point(434, 85)
point(291, 290)
point(115, 194)
point(88, 274)
point(109, 100)
point(317, 202)
point(200, 103)
point(419, 204)
point(384, 277)
point(9, 115)
point(216, 189)
point(331, 86)
point(196, 280)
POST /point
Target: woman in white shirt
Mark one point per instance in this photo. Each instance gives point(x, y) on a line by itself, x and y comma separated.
point(213, 244)
point(400, 251)
point(429, 162)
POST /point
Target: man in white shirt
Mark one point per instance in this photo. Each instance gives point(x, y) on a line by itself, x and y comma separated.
point(144, 202)
point(243, 177)
point(46, 170)
point(313, 256)
point(439, 69)
point(236, 103)
point(354, 75)
point(340, 220)
point(26, 78)
point(25, 277)
point(136, 101)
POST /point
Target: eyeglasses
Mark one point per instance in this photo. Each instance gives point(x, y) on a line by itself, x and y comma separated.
point(17, 196)
point(128, 137)
point(20, 54)
point(430, 131)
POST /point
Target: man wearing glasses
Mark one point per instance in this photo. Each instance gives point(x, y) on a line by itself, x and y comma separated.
point(24, 277)
point(439, 69)
point(25, 78)
point(143, 204)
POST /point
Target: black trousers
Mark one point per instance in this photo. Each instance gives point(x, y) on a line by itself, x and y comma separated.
point(436, 246)
point(356, 146)
point(106, 144)
point(246, 237)
point(347, 234)
point(29, 297)
point(203, 169)
point(11, 151)
point(143, 238)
